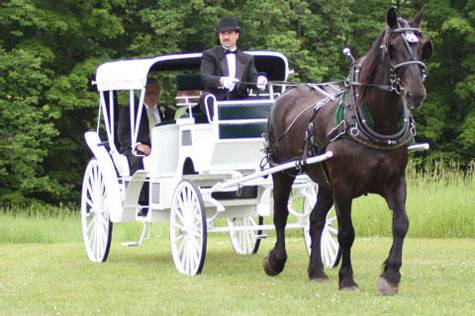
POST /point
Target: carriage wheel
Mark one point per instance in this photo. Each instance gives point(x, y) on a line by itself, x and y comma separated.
point(245, 242)
point(96, 225)
point(329, 242)
point(188, 232)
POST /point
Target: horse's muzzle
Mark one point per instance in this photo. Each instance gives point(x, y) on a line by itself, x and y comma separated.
point(415, 98)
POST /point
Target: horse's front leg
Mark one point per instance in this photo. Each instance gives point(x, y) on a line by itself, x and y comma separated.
point(346, 236)
point(317, 223)
point(388, 283)
point(274, 263)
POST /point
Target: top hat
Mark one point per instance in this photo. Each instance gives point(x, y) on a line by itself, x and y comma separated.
point(227, 24)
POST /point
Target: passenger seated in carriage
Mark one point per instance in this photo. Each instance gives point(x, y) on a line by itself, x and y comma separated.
point(224, 67)
point(155, 113)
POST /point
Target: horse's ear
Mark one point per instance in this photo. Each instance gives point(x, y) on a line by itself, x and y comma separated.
point(392, 18)
point(416, 21)
point(426, 50)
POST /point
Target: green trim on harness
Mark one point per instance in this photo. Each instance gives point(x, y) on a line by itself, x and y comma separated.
point(340, 114)
point(340, 109)
point(340, 117)
point(367, 116)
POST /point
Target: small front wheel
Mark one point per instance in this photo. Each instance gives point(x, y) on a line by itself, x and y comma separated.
point(328, 242)
point(96, 225)
point(188, 232)
point(245, 242)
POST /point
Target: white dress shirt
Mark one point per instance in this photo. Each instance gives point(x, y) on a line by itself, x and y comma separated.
point(153, 116)
point(231, 60)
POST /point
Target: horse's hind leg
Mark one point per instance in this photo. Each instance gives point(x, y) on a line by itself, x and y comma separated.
point(346, 236)
point(317, 223)
point(274, 263)
point(388, 283)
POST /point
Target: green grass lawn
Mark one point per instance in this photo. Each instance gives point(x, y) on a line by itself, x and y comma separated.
point(44, 269)
point(57, 279)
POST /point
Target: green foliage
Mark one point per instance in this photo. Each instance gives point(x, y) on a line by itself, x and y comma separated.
point(25, 130)
point(49, 51)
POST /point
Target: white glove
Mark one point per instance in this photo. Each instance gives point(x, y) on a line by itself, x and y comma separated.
point(261, 83)
point(229, 82)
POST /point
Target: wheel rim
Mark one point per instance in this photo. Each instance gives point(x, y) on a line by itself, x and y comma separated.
point(245, 242)
point(96, 225)
point(188, 229)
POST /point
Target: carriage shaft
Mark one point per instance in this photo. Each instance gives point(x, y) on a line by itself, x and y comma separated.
point(289, 165)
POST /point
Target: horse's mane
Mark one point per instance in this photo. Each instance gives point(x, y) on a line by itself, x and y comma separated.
point(369, 63)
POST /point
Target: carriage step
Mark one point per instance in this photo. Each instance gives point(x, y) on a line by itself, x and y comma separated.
point(145, 235)
point(130, 244)
point(261, 236)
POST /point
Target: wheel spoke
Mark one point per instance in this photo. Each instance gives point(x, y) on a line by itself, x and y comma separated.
point(179, 238)
point(180, 210)
point(248, 241)
point(324, 252)
point(195, 257)
point(178, 226)
point(89, 202)
point(179, 214)
point(89, 189)
point(90, 226)
point(333, 242)
point(195, 233)
point(94, 244)
point(187, 258)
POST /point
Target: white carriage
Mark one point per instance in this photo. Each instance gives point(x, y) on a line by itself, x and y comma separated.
point(197, 172)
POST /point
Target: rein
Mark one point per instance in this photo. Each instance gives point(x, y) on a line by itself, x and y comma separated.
point(353, 123)
point(357, 124)
point(292, 84)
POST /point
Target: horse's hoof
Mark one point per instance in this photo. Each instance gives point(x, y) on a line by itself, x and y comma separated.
point(386, 288)
point(321, 279)
point(348, 286)
point(270, 269)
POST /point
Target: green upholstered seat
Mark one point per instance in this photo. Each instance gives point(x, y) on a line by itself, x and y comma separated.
point(188, 82)
point(248, 112)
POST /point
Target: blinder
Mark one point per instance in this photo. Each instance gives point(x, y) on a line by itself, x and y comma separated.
point(409, 37)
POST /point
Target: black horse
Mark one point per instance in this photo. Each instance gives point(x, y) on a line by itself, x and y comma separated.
point(368, 127)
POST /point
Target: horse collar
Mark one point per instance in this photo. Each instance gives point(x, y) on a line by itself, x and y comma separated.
point(359, 126)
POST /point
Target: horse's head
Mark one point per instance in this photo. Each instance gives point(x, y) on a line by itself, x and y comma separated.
point(405, 48)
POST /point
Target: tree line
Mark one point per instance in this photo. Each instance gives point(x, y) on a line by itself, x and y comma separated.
point(50, 49)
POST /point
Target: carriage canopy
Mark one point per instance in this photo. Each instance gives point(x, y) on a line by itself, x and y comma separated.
point(132, 73)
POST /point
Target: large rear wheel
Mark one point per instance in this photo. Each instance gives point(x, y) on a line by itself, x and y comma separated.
point(96, 225)
point(188, 232)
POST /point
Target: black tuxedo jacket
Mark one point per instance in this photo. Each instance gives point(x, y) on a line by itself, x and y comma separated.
point(123, 128)
point(214, 65)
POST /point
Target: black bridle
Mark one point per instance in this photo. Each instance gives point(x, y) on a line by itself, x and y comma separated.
point(395, 84)
point(357, 126)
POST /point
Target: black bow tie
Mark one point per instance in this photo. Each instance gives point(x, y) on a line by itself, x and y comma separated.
point(228, 51)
